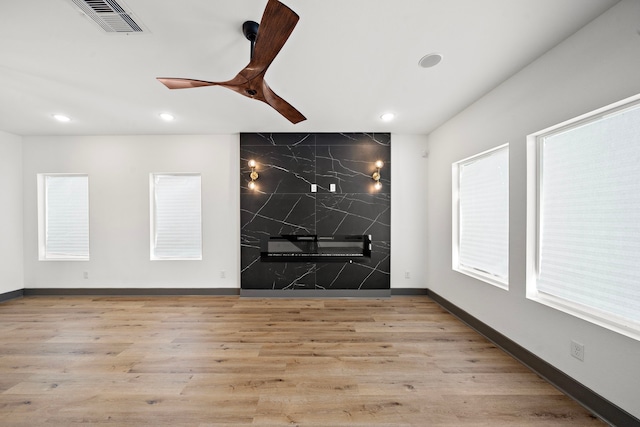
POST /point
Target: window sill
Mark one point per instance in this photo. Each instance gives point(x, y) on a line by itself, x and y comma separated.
point(622, 326)
point(487, 278)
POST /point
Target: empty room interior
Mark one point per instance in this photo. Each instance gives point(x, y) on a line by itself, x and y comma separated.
point(430, 215)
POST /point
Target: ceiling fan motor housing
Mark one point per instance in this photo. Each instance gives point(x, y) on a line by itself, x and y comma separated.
point(250, 30)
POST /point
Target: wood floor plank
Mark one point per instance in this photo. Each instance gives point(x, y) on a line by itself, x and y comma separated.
point(86, 384)
point(154, 409)
point(230, 361)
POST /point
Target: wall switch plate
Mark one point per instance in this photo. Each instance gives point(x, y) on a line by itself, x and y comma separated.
point(332, 188)
point(314, 188)
point(577, 350)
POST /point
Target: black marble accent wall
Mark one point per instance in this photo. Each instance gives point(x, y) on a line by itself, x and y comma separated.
point(283, 203)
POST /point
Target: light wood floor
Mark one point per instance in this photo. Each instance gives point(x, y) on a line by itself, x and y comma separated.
point(227, 361)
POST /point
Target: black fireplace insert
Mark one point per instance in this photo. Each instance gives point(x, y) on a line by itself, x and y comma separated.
point(314, 248)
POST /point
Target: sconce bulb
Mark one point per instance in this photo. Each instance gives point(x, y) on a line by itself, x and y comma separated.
point(253, 175)
point(379, 164)
point(378, 185)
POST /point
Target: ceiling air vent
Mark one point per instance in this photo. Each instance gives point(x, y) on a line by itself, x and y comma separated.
point(109, 15)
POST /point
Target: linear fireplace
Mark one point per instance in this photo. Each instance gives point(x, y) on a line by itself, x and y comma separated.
point(314, 248)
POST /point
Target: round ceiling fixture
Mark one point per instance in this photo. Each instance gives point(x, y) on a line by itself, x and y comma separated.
point(62, 118)
point(430, 60)
point(167, 117)
point(387, 117)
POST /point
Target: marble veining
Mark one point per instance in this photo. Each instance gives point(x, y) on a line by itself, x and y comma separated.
point(281, 169)
point(264, 139)
point(359, 139)
point(273, 214)
point(283, 204)
point(354, 214)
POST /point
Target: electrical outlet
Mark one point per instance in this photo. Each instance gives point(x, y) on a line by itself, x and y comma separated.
point(85, 274)
point(407, 275)
point(577, 350)
point(223, 274)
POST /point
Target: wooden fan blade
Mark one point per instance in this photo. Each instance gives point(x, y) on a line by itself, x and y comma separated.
point(280, 105)
point(173, 83)
point(278, 21)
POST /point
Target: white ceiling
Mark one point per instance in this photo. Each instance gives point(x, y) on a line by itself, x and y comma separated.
point(346, 63)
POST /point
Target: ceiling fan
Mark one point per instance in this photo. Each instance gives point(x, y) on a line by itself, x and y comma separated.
point(267, 38)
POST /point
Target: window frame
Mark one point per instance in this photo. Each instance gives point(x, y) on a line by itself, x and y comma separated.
point(619, 324)
point(43, 253)
point(152, 218)
point(499, 282)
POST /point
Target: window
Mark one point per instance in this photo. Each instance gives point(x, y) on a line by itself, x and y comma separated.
point(480, 232)
point(584, 217)
point(176, 223)
point(63, 213)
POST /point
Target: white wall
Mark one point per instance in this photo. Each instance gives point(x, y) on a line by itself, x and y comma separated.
point(118, 169)
point(11, 270)
point(408, 210)
point(598, 65)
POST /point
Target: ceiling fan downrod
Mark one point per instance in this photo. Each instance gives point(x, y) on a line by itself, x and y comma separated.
point(250, 31)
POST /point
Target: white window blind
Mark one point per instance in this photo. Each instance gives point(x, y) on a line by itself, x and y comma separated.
point(483, 216)
point(66, 219)
point(176, 223)
point(589, 216)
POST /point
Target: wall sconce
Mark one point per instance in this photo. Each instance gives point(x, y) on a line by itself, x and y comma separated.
point(253, 175)
point(376, 175)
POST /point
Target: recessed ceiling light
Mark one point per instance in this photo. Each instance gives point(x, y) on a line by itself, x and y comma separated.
point(387, 117)
point(62, 118)
point(430, 60)
point(167, 117)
